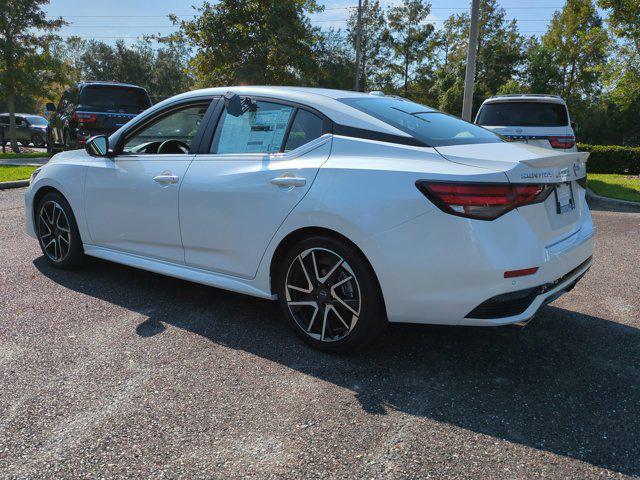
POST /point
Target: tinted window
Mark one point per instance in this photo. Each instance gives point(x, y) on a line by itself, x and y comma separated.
point(4, 120)
point(523, 114)
point(181, 125)
point(423, 123)
point(113, 99)
point(37, 121)
point(259, 131)
point(306, 127)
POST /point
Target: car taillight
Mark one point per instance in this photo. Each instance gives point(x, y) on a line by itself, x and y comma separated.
point(482, 201)
point(562, 142)
point(85, 117)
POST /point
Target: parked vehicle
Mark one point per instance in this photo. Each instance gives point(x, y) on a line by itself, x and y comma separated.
point(352, 210)
point(30, 129)
point(541, 120)
point(92, 108)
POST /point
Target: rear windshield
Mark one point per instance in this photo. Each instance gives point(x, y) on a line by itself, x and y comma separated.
point(37, 121)
point(113, 99)
point(425, 124)
point(523, 114)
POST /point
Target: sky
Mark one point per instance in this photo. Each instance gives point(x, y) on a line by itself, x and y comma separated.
point(108, 20)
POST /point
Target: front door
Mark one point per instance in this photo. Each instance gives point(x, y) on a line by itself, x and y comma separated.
point(132, 199)
point(233, 200)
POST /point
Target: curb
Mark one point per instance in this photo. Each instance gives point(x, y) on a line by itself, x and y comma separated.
point(16, 184)
point(590, 194)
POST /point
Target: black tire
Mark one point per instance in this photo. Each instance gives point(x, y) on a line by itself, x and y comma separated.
point(343, 330)
point(51, 226)
point(37, 140)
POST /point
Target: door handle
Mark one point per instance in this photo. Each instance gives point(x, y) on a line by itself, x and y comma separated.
point(166, 178)
point(289, 181)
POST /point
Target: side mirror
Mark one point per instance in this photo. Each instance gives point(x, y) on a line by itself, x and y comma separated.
point(233, 103)
point(236, 106)
point(98, 146)
point(50, 107)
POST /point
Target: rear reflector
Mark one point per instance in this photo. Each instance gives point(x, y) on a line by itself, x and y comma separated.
point(85, 117)
point(482, 201)
point(520, 273)
point(567, 141)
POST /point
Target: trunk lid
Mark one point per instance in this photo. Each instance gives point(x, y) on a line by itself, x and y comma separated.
point(551, 220)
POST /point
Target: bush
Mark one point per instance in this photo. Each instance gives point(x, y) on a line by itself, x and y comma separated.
point(612, 159)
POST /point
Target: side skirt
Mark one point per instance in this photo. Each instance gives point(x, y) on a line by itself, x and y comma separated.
point(183, 272)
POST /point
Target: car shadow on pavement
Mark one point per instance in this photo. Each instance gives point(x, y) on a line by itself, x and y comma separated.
point(567, 384)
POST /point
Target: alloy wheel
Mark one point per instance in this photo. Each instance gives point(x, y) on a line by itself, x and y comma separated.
point(323, 294)
point(54, 231)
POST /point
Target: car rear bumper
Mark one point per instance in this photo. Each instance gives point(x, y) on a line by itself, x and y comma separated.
point(438, 268)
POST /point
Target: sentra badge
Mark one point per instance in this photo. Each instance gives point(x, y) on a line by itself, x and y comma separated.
point(535, 175)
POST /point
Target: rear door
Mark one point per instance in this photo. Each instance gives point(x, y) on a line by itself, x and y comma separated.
point(256, 169)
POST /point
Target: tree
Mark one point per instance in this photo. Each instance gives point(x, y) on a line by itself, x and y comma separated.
point(580, 45)
point(251, 41)
point(499, 56)
point(26, 64)
point(372, 41)
point(333, 61)
point(407, 37)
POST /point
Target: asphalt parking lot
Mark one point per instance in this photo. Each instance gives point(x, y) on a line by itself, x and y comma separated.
point(111, 372)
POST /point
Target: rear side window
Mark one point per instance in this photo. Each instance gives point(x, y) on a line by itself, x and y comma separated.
point(523, 114)
point(113, 99)
point(305, 128)
point(429, 126)
point(259, 131)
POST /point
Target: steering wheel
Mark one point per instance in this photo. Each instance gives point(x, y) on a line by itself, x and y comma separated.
point(173, 146)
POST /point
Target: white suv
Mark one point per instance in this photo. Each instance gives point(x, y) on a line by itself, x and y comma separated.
point(541, 120)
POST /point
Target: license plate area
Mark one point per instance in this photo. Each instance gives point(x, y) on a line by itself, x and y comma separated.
point(564, 198)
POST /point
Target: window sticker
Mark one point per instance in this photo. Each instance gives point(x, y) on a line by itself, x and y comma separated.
point(261, 131)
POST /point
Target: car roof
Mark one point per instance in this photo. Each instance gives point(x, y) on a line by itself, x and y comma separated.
point(324, 100)
point(525, 97)
point(109, 84)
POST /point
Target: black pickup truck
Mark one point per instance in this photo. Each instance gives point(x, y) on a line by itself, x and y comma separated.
point(92, 108)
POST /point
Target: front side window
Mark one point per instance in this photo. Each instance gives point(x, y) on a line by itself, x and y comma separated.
point(431, 127)
point(306, 127)
point(259, 131)
point(523, 114)
point(171, 133)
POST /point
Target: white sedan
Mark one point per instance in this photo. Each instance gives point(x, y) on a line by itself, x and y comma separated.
point(352, 210)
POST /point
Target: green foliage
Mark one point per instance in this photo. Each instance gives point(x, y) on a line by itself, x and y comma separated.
point(251, 42)
point(373, 54)
point(612, 159)
point(27, 67)
point(407, 37)
point(162, 71)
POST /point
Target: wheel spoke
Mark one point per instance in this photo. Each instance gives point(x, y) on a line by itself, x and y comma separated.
point(306, 275)
point(332, 271)
point(340, 317)
point(324, 321)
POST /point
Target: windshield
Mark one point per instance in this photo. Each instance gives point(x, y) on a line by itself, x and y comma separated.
point(113, 99)
point(423, 123)
point(523, 114)
point(37, 121)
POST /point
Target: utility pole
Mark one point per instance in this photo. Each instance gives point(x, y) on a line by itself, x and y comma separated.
point(469, 77)
point(358, 42)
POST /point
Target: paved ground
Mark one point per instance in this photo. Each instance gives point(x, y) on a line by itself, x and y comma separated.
point(110, 372)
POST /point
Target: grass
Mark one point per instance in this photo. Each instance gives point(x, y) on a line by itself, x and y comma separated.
point(622, 187)
point(10, 173)
point(8, 155)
